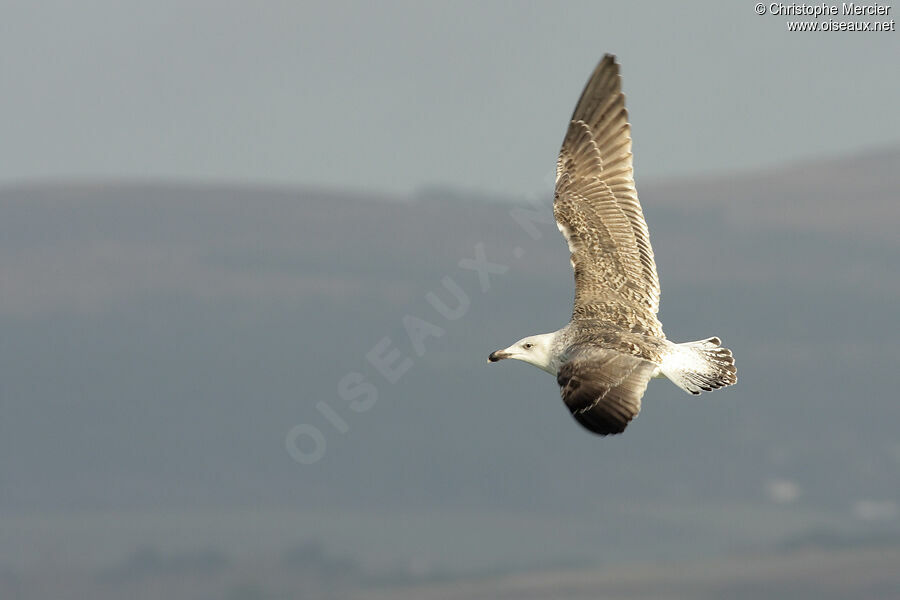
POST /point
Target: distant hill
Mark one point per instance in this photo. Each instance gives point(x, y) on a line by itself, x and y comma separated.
point(160, 342)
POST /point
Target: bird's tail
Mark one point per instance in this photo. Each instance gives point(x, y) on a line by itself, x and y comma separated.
point(700, 366)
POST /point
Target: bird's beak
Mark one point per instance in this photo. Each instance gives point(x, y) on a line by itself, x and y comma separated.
point(498, 355)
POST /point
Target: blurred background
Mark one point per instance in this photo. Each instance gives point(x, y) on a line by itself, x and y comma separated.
point(217, 219)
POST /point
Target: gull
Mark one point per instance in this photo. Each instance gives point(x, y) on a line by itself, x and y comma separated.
point(614, 343)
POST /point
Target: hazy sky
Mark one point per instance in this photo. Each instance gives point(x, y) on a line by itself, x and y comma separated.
point(389, 96)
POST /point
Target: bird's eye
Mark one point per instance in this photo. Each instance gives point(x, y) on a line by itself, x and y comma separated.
point(528, 345)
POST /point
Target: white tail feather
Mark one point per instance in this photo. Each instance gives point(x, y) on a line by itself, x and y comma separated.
point(700, 366)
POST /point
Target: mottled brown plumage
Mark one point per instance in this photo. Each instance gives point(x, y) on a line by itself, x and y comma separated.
point(597, 209)
point(614, 344)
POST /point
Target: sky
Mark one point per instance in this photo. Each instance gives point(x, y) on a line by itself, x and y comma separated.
point(391, 97)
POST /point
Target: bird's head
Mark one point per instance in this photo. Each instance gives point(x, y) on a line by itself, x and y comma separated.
point(535, 350)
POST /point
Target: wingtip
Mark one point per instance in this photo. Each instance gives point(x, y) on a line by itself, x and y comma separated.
point(610, 59)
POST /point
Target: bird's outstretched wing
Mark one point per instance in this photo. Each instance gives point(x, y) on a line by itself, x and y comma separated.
point(603, 388)
point(597, 209)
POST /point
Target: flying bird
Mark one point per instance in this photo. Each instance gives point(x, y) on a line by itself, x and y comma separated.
point(614, 343)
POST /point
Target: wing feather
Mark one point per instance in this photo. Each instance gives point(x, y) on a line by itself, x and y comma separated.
point(596, 207)
point(602, 388)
